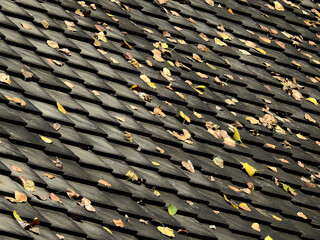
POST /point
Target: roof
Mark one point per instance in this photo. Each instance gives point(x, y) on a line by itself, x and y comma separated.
point(156, 119)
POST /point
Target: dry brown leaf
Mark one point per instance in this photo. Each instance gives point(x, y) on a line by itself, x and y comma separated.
point(105, 183)
point(230, 142)
point(197, 57)
point(128, 136)
point(121, 119)
point(26, 74)
point(55, 198)
point(210, 2)
point(56, 126)
point(71, 193)
point(308, 117)
point(204, 37)
point(203, 48)
point(157, 55)
point(26, 26)
point(219, 42)
point(160, 150)
point(45, 24)
point(86, 203)
point(48, 175)
point(186, 135)
point(118, 222)
point(158, 111)
point(311, 185)
point(234, 188)
point(188, 165)
point(17, 169)
point(52, 44)
point(250, 186)
point(20, 197)
point(5, 78)
point(66, 51)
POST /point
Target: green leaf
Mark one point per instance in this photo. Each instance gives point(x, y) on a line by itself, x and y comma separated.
point(211, 66)
point(172, 210)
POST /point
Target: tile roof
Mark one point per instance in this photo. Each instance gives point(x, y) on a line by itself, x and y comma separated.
point(122, 119)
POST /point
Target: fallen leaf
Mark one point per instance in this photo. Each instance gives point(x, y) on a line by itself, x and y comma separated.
point(26, 74)
point(71, 193)
point(126, 45)
point(236, 135)
point(55, 198)
point(278, 6)
point(156, 192)
point(158, 111)
point(118, 222)
point(102, 37)
point(296, 95)
point(40, 197)
point(66, 51)
point(128, 136)
point(166, 231)
point(105, 183)
point(17, 169)
point(230, 142)
point(204, 37)
point(45, 23)
point(256, 227)
point(5, 78)
point(252, 120)
point(48, 175)
point(300, 136)
point(270, 145)
point(244, 206)
point(234, 188)
point(144, 221)
point(203, 48)
point(45, 139)
point(311, 185)
point(277, 218)
point(132, 176)
point(302, 215)
point(86, 203)
point(109, 231)
point(249, 169)
point(172, 210)
point(288, 188)
point(185, 136)
point(283, 160)
point(121, 119)
point(29, 185)
point(52, 44)
point(185, 117)
point(35, 222)
point(219, 42)
point(218, 161)
point(261, 51)
point(210, 2)
point(188, 165)
point(20, 197)
point(274, 169)
point(61, 108)
point(313, 100)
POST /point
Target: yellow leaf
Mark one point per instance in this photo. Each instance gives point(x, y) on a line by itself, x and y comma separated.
point(302, 215)
point(107, 229)
point(236, 135)
point(314, 101)
point(45, 24)
point(172, 210)
point(256, 227)
point(152, 85)
point(156, 192)
point(301, 137)
point(167, 71)
point(155, 163)
point(52, 44)
point(102, 37)
point(132, 176)
point(45, 139)
point(261, 51)
point(278, 6)
point(211, 66)
point(277, 218)
point(16, 216)
point(249, 169)
point(185, 117)
point(61, 109)
point(273, 168)
point(245, 207)
point(29, 185)
point(268, 238)
point(166, 231)
point(252, 120)
point(219, 42)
